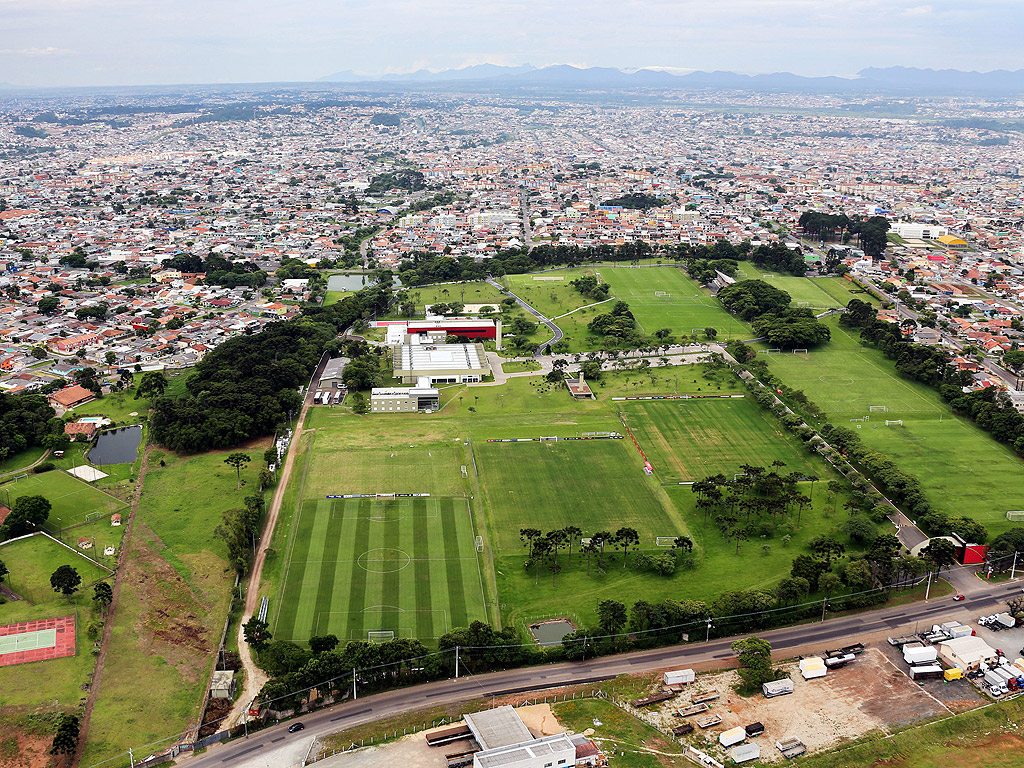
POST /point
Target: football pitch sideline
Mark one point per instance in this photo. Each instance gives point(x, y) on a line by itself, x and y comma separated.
point(374, 568)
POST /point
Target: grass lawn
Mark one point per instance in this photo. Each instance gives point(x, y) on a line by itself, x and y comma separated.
point(21, 459)
point(117, 406)
point(72, 500)
point(550, 296)
point(359, 565)
point(32, 560)
point(517, 366)
point(466, 293)
point(175, 591)
point(691, 439)
point(686, 307)
point(814, 292)
point(984, 738)
point(963, 470)
point(633, 743)
point(333, 297)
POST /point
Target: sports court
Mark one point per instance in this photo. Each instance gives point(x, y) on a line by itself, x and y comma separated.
point(377, 568)
point(37, 640)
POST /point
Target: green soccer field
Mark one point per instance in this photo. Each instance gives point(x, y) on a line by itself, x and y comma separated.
point(963, 470)
point(73, 500)
point(32, 561)
point(691, 439)
point(356, 566)
point(685, 307)
point(593, 484)
point(812, 292)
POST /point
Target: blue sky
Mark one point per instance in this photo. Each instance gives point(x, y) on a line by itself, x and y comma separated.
point(122, 42)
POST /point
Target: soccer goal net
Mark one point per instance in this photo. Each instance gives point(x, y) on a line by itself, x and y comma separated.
point(665, 541)
point(799, 351)
point(803, 304)
point(878, 408)
point(380, 635)
point(662, 295)
point(479, 543)
point(894, 423)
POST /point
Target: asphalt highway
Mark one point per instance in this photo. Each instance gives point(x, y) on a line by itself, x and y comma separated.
point(786, 642)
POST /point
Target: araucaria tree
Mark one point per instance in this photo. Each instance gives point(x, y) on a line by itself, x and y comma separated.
point(237, 460)
point(65, 580)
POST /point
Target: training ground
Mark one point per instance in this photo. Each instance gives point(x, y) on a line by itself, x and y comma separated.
point(404, 565)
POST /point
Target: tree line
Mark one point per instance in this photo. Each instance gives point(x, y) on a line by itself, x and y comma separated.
point(771, 316)
point(27, 421)
point(248, 385)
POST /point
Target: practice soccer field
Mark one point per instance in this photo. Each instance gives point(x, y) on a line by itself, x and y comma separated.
point(407, 566)
point(31, 561)
point(684, 307)
point(813, 292)
point(73, 501)
point(593, 484)
point(964, 471)
point(691, 439)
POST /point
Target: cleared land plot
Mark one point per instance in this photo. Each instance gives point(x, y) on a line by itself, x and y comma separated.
point(408, 566)
point(691, 439)
point(685, 307)
point(73, 500)
point(32, 560)
point(963, 470)
point(594, 484)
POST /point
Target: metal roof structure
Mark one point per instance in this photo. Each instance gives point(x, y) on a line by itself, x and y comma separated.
point(499, 727)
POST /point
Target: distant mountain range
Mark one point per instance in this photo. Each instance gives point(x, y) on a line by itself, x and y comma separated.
point(872, 79)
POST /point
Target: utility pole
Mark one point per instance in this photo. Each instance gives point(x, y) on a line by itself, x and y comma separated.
point(928, 589)
point(1013, 568)
point(456, 662)
point(131, 757)
point(707, 637)
point(355, 693)
point(824, 605)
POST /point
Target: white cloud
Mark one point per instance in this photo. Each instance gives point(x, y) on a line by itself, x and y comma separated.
point(47, 51)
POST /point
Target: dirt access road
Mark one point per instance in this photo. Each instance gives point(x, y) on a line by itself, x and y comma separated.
point(255, 677)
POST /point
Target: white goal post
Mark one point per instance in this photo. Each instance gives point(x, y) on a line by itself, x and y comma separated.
point(380, 635)
point(479, 543)
point(878, 409)
point(665, 541)
point(663, 294)
point(799, 351)
point(894, 422)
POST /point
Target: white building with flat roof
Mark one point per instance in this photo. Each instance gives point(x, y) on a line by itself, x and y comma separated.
point(440, 363)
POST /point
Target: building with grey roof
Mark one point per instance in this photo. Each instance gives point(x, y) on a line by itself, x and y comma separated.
point(440, 363)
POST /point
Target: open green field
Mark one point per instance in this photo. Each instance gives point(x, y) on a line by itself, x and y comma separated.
point(691, 439)
point(32, 560)
point(72, 500)
point(401, 468)
point(404, 565)
point(814, 292)
point(594, 484)
point(333, 297)
point(963, 470)
point(21, 460)
point(174, 595)
point(466, 293)
point(620, 729)
point(687, 305)
point(117, 406)
point(550, 292)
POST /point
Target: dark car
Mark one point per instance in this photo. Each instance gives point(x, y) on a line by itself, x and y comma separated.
point(295, 727)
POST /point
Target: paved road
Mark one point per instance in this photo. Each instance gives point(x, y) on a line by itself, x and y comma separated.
point(787, 642)
point(555, 330)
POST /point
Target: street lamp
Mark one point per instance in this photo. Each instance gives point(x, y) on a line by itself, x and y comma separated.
point(708, 636)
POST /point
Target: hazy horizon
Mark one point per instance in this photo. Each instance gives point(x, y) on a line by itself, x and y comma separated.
point(130, 42)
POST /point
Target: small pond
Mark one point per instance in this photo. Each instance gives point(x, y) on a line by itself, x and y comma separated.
point(119, 446)
point(348, 282)
point(549, 633)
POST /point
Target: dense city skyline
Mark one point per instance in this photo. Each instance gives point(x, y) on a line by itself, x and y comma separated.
point(126, 42)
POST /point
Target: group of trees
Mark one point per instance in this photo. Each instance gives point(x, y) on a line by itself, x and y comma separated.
point(240, 529)
point(544, 548)
point(27, 421)
point(405, 179)
point(870, 231)
point(27, 515)
point(619, 324)
point(219, 270)
point(753, 503)
point(637, 201)
point(591, 287)
point(248, 385)
point(768, 308)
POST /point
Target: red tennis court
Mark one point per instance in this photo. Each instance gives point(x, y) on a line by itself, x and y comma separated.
point(37, 640)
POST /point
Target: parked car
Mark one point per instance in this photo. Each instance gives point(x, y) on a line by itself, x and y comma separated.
point(958, 598)
point(295, 727)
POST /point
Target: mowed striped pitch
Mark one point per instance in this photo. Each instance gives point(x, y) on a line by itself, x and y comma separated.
point(691, 439)
point(407, 565)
